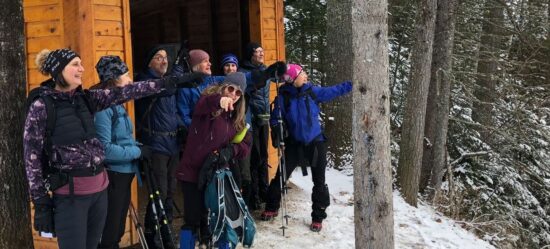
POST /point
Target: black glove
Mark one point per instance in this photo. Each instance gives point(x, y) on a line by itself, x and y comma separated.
point(43, 214)
point(187, 80)
point(225, 155)
point(259, 78)
point(146, 152)
point(277, 69)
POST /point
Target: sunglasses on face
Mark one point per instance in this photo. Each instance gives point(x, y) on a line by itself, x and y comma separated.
point(231, 89)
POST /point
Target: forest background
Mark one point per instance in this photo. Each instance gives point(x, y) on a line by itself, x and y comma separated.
point(494, 135)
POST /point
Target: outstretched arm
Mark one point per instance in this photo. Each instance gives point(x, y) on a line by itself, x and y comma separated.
point(104, 98)
point(324, 94)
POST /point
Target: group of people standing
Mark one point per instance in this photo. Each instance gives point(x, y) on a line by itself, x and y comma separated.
point(81, 157)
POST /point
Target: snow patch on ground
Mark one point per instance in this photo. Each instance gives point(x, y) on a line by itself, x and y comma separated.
point(420, 227)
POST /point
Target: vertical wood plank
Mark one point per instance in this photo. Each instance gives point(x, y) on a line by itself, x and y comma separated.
point(279, 18)
point(129, 105)
point(79, 27)
point(255, 20)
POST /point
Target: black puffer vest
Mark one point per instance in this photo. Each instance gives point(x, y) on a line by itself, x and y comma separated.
point(74, 121)
point(73, 124)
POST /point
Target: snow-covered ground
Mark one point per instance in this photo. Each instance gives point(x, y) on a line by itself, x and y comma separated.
point(418, 227)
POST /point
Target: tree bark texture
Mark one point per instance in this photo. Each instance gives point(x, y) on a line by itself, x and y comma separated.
point(437, 109)
point(15, 226)
point(410, 156)
point(338, 68)
point(371, 127)
point(488, 67)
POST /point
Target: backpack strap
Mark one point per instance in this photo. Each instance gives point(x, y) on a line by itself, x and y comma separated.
point(145, 116)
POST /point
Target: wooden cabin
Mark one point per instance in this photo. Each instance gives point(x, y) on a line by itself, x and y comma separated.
point(127, 28)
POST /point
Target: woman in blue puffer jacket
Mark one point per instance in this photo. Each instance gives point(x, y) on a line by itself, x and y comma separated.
point(115, 131)
point(298, 106)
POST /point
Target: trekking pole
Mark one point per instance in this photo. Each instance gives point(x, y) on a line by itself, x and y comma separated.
point(162, 217)
point(149, 180)
point(282, 163)
point(138, 226)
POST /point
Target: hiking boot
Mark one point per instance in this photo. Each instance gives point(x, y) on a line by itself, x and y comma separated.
point(316, 226)
point(268, 215)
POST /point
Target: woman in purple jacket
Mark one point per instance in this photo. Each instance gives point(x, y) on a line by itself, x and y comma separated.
point(64, 161)
point(218, 116)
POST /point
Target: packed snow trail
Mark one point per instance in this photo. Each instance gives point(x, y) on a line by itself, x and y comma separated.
point(415, 228)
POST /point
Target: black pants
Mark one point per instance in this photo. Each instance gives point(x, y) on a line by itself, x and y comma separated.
point(258, 164)
point(245, 182)
point(79, 219)
point(314, 153)
point(195, 216)
point(119, 194)
point(163, 168)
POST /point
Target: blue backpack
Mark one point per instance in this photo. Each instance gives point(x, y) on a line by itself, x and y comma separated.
point(228, 216)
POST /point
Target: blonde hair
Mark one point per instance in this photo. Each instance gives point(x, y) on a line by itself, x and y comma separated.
point(41, 59)
point(239, 110)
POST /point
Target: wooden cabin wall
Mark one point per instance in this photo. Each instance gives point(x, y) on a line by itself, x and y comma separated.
point(99, 27)
point(92, 28)
point(267, 28)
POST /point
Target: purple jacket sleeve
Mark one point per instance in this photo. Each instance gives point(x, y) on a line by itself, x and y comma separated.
point(104, 98)
point(33, 143)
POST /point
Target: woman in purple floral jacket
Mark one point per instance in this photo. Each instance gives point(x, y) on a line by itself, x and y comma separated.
point(64, 163)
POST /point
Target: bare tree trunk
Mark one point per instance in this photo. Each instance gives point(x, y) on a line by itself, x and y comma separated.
point(338, 123)
point(15, 222)
point(371, 127)
point(488, 67)
point(437, 110)
point(410, 157)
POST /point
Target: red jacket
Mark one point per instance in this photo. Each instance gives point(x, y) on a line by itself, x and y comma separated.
point(207, 134)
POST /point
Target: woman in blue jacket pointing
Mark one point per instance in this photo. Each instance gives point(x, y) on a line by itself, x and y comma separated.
point(298, 106)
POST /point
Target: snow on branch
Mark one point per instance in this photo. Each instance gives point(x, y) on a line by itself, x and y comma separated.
point(468, 155)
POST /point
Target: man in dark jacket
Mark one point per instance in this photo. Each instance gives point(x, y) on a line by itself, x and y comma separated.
point(258, 104)
point(157, 124)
